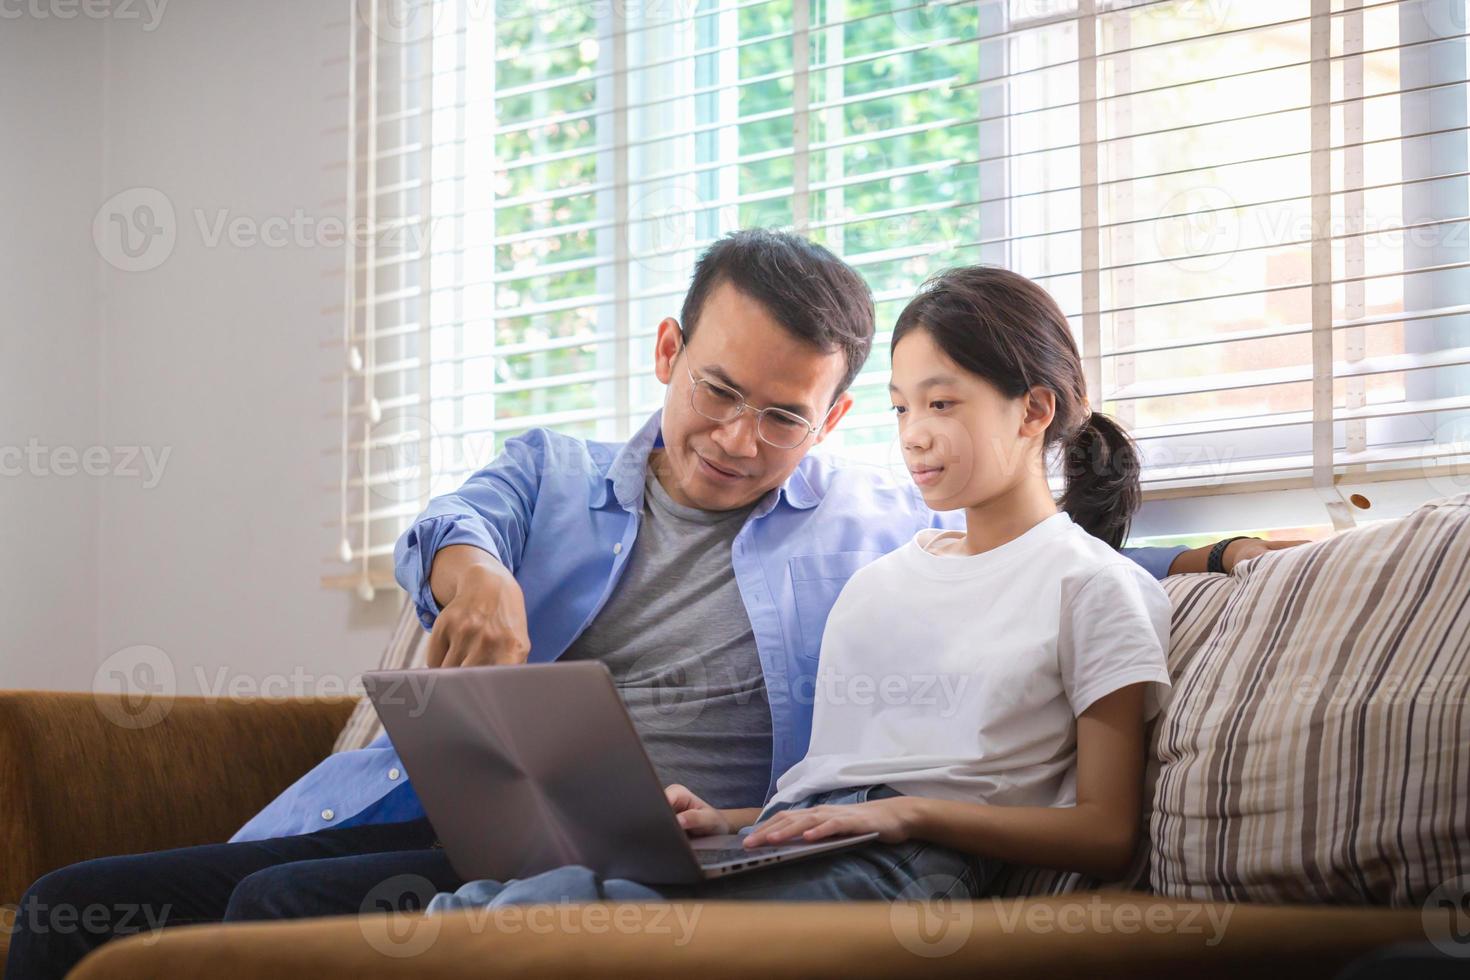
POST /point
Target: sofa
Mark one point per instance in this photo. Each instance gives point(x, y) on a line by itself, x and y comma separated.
point(1307, 804)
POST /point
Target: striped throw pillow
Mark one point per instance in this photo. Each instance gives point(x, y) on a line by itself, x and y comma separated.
point(407, 647)
point(1317, 744)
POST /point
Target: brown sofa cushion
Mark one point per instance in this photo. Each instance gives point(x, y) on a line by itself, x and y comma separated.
point(1317, 744)
point(1101, 935)
point(75, 784)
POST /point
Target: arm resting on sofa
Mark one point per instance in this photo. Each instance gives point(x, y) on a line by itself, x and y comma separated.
point(76, 782)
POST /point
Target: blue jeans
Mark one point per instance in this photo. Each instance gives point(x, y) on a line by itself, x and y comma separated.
point(875, 871)
point(69, 912)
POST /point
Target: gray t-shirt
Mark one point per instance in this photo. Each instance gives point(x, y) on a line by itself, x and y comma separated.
point(677, 638)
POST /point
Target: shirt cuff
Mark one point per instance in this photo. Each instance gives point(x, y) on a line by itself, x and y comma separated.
point(421, 543)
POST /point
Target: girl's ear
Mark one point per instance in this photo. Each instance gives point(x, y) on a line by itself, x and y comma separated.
point(1040, 406)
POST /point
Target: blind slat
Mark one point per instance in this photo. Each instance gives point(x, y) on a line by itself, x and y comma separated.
point(1288, 330)
point(1303, 462)
point(1293, 374)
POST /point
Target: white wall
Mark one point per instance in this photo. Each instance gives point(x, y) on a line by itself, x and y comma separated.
point(50, 152)
point(211, 353)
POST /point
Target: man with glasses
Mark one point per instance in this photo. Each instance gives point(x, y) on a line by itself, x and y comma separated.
point(719, 402)
point(698, 560)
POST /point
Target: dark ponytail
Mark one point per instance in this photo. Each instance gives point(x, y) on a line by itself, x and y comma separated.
point(1100, 465)
point(1004, 328)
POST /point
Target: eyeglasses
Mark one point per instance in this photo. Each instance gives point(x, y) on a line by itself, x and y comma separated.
point(720, 403)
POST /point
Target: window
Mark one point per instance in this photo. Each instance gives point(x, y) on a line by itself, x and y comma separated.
point(1255, 215)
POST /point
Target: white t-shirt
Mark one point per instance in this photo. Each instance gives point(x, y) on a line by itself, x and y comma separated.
point(960, 677)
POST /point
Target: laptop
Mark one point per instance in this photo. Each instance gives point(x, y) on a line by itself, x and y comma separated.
point(528, 767)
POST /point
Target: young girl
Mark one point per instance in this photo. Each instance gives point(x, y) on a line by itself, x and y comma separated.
point(980, 696)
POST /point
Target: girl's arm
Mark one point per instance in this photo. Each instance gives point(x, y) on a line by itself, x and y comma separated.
point(1096, 836)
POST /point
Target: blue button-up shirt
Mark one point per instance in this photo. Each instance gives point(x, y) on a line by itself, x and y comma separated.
point(563, 514)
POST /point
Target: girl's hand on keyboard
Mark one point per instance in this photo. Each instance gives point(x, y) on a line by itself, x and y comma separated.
point(891, 818)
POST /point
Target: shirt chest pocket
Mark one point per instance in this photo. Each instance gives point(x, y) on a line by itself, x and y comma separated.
point(816, 581)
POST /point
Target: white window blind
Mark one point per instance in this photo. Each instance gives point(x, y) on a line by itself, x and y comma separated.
point(1255, 214)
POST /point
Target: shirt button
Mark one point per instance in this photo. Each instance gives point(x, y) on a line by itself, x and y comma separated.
point(327, 814)
point(393, 773)
point(618, 548)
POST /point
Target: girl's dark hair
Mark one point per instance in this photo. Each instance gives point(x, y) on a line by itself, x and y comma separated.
point(1006, 329)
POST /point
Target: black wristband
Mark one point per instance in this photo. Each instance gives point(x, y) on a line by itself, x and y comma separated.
point(1217, 554)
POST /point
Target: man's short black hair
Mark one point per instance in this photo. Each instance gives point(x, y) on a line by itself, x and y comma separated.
point(811, 292)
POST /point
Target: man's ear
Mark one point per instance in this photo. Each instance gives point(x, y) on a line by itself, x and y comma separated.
point(666, 347)
point(844, 402)
point(1039, 409)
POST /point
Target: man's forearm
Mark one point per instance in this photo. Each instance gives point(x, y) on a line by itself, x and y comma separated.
point(451, 564)
point(1237, 551)
point(1193, 560)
